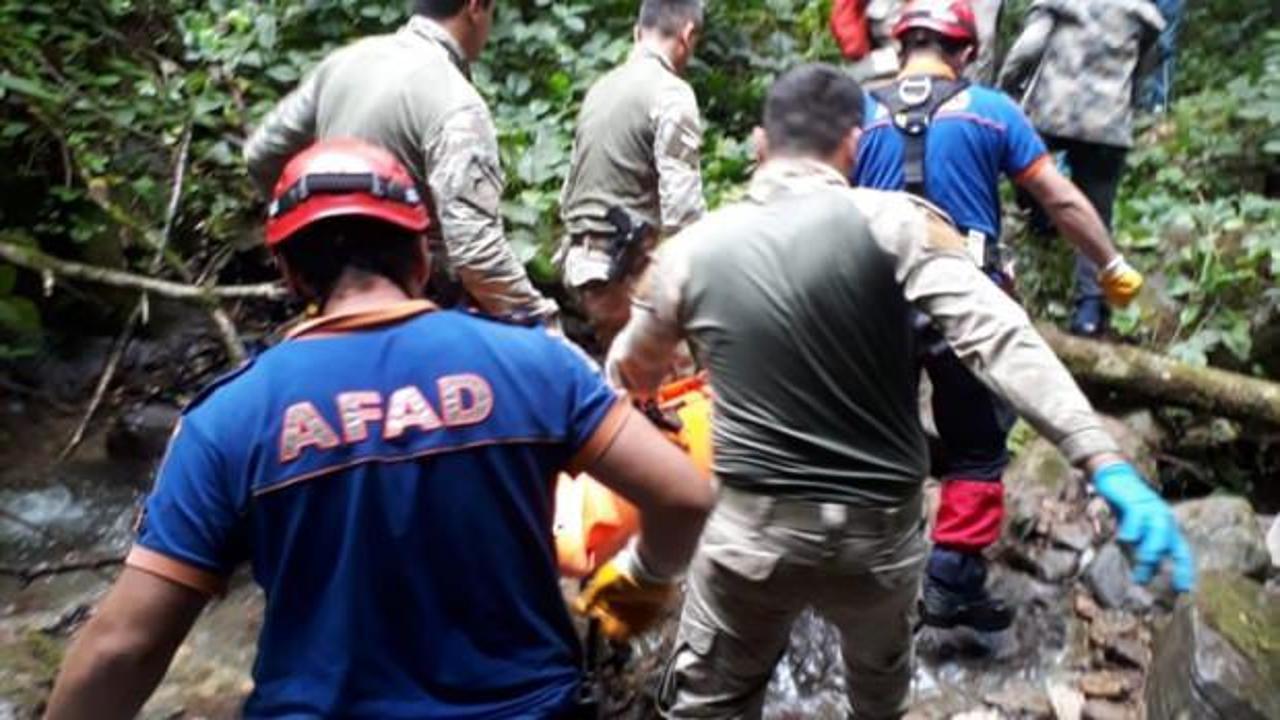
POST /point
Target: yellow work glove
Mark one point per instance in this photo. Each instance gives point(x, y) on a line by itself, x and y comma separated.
point(622, 602)
point(1120, 282)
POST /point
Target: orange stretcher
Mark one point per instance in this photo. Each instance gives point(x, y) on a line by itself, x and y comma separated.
point(592, 523)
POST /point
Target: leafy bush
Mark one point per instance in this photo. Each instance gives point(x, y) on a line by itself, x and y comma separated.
point(97, 97)
point(1192, 211)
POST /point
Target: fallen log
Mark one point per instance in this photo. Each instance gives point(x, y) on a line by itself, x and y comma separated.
point(1156, 377)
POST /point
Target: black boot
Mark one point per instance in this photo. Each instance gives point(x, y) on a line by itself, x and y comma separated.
point(955, 594)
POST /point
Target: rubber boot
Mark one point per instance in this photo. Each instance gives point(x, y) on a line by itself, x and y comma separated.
point(955, 594)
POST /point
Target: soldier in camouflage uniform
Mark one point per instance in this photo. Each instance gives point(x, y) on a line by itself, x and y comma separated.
point(1077, 66)
point(410, 92)
point(637, 148)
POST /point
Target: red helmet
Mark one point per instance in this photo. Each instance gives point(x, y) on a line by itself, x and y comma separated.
point(343, 177)
point(949, 18)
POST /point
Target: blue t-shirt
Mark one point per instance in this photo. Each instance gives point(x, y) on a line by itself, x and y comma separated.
point(977, 135)
point(392, 489)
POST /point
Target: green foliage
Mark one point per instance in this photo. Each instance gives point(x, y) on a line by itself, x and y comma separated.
point(96, 96)
point(1192, 211)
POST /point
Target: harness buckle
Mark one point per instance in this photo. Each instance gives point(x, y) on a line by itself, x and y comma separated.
point(915, 90)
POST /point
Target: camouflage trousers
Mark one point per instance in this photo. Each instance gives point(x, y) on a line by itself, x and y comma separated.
point(760, 563)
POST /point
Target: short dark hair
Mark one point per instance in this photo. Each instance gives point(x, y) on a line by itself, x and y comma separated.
point(440, 9)
point(321, 253)
point(925, 39)
point(811, 108)
point(669, 16)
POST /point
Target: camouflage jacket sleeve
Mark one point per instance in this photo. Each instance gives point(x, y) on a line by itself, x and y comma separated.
point(290, 127)
point(640, 356)
point(990, 333)
point(677, 151)
point(465, 177)
point(1024, 57)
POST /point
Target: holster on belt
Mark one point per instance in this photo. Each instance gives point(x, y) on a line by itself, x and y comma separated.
point(628, 244)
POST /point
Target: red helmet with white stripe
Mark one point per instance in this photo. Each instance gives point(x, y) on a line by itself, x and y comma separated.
point(339, 178)
point(952, 19)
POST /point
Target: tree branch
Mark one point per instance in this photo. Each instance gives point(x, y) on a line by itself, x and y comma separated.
point(33, 259)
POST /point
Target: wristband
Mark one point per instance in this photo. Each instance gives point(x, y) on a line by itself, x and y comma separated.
point(630, 562)
point(1117, 263)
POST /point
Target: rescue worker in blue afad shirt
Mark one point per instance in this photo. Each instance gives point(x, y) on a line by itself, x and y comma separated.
point(948, 141)
point(387, 474)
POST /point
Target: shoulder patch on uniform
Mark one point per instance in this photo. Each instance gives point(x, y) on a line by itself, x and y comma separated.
point(221, 381)
point(931, 211)
point(940, 230)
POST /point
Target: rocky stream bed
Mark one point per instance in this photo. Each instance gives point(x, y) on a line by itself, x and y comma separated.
point(1087, 644)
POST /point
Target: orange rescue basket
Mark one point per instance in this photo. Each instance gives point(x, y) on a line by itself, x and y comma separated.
point(592, 523)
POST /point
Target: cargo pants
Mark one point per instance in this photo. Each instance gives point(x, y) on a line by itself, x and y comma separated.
point(763, 560)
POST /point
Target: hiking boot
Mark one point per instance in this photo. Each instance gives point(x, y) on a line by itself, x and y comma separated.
point(944, 608)
point(955, 593)
point(1089, 318)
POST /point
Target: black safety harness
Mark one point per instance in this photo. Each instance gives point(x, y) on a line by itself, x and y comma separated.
point(912, 103)
point(308, 186)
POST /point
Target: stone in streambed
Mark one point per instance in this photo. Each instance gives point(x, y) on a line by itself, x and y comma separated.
point(1224, 534)
point(1219, 657)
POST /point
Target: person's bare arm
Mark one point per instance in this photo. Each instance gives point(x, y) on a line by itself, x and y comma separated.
point(1071, 212)
point(123, 652)
point(650, 471)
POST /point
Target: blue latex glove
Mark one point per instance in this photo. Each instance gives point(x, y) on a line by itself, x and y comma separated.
point(1147, 522)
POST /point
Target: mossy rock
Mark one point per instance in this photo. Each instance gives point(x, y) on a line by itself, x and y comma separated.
point(1224, 533)
point(1219, 657)
point(29, 662)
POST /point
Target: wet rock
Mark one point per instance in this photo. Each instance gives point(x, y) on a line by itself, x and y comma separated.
point(1133, 445)
point(1108, 576)
point(978, 715)
point(1273, 542)
point(1085, 606)
point(1127, 651)
point(1021, 699)
point(1037, 475)
point(1074, 535)
point(1107, 684)
point(1224, 535)
point(1067, 702)
point(1116, 636)
point(1105, 710)
point(1144, 425)
point(1219, 657)
point(1057, 565)
point(142, 433)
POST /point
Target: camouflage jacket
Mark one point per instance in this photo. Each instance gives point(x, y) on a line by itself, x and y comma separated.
point(799, 303)
point(410, 92)
point(637, 146)
point(1077, 63)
